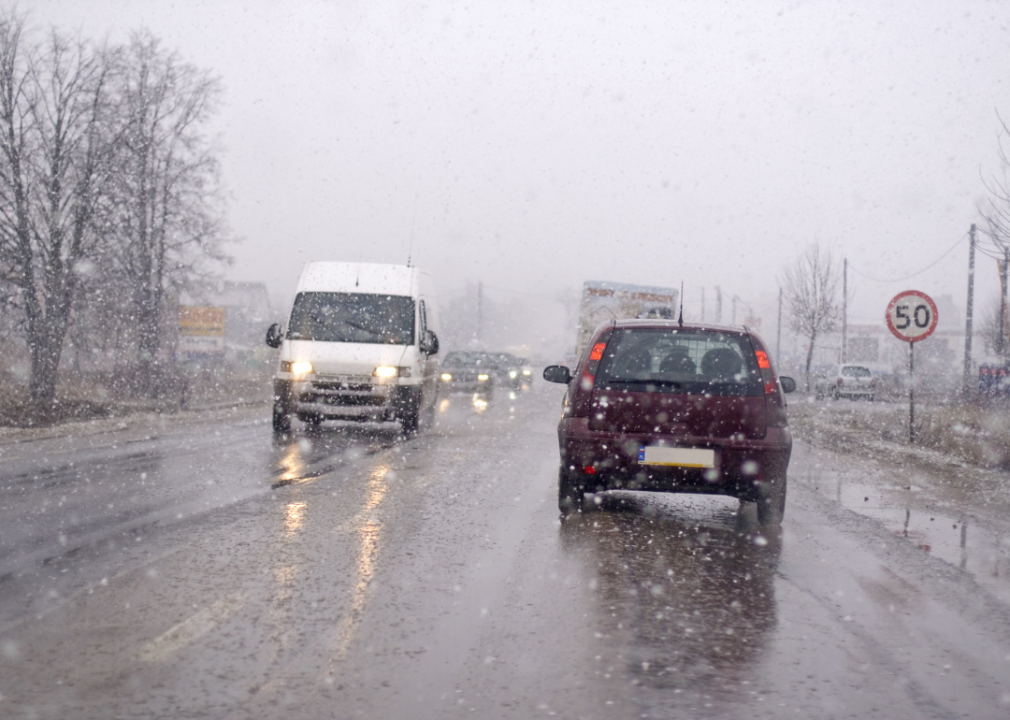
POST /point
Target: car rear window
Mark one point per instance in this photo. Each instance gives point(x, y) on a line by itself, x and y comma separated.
point(852, 371)
point(680, 361)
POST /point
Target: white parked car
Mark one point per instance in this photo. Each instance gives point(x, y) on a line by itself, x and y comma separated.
point(847, 380)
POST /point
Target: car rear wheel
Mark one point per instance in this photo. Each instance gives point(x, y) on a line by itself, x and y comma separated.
point(571, 493)
point(282, 421)
point(771, 502)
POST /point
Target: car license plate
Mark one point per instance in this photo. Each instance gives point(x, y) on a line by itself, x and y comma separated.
point(677, 457)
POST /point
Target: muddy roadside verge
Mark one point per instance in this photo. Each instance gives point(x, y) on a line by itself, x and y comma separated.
point(949, 492)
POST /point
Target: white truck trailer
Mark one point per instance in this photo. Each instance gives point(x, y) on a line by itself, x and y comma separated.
point(603, 300)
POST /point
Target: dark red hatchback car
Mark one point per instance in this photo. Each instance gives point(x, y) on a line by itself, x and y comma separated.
point(674, 407)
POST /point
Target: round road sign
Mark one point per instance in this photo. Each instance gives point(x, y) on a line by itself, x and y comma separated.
point(911, 316)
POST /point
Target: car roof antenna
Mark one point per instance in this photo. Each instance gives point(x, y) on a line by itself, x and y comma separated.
point(680, 320)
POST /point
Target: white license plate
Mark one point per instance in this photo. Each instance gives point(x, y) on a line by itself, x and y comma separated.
point(677, 457)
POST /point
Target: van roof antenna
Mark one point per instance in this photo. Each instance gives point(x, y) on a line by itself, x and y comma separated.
point(680, 320)
point(413, 223)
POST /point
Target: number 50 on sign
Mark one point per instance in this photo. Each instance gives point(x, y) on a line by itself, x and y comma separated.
point(911, 316)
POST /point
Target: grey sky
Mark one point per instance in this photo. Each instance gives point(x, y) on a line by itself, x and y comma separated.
point(544, 143)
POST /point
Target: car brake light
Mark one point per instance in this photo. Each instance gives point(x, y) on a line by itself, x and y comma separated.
point(582, 390)
point(589, 374)
point(589, 470)
point(840, 381)
point(767, 376)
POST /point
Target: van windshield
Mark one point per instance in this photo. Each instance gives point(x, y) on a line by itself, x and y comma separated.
point(353, 318)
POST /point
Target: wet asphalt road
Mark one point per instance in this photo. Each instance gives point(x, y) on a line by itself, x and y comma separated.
point(191, 567)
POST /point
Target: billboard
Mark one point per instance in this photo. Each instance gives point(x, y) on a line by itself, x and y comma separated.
point(201, 332)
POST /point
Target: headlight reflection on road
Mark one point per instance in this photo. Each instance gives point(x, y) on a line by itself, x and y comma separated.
point(369, 532)
point(293, 520)
point(293, 463)
point(479, 403)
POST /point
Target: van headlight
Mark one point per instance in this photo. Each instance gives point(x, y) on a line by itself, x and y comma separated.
point(513, 374)
point(390, 371)
point(296, 367)
point(482, 377)
point(446, 377)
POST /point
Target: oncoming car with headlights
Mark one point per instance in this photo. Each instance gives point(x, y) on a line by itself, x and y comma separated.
point(669, 407)
point(467, 372)
point(360, 344)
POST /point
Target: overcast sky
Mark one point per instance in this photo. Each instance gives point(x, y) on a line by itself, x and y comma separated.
point(533, 145)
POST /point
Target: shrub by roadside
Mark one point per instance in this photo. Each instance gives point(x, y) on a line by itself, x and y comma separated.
point(87, 397)
point(970, 434)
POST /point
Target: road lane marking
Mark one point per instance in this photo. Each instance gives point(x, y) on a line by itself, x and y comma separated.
point(191, 629)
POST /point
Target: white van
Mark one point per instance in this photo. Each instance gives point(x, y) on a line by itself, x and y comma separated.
point(359, 345)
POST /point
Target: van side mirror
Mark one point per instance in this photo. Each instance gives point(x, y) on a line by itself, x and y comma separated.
point(788, 384)
point(429, 342)
point(274, 336)
point(557, 374)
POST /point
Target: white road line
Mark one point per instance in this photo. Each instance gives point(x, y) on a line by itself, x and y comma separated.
point(191, 629)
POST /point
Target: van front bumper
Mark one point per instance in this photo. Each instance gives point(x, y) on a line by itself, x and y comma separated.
point(345, 398)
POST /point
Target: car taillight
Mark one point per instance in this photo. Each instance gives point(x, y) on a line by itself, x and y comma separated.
point(840, 382)
point(583, 390)
point(767, 376)
point(594, 363)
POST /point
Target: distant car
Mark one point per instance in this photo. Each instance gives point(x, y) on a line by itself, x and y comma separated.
point(508, 370)
point(468, 372)
point(847, 380)
point(527, 371)
point(662, 406)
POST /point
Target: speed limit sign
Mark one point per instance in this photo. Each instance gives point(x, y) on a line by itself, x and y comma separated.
point(911, 316)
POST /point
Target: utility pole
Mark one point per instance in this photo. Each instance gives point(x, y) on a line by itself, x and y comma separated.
point(968, 315)
point(703, 303)
point(778, 338)
point(718, 304)
point(1002, 303)
point(845, 306)
point(734, 311)
point(480, 294)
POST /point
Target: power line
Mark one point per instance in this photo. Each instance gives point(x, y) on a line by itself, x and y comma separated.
point(919, 272)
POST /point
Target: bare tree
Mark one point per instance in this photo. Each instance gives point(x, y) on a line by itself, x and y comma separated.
point(54, 161)
point(989, 326)
point(811, 289)
point(167, 220)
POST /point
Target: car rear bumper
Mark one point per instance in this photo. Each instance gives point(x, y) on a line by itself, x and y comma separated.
point(609, 460)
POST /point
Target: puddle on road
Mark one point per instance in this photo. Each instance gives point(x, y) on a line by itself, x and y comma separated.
point(957, 540)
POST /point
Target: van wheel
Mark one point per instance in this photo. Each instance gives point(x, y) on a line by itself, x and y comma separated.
point(571, 493)
point(771, 502)
point(410, 419)
point(282, 421)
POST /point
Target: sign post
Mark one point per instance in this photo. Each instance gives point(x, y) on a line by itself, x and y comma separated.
point(911, 317)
